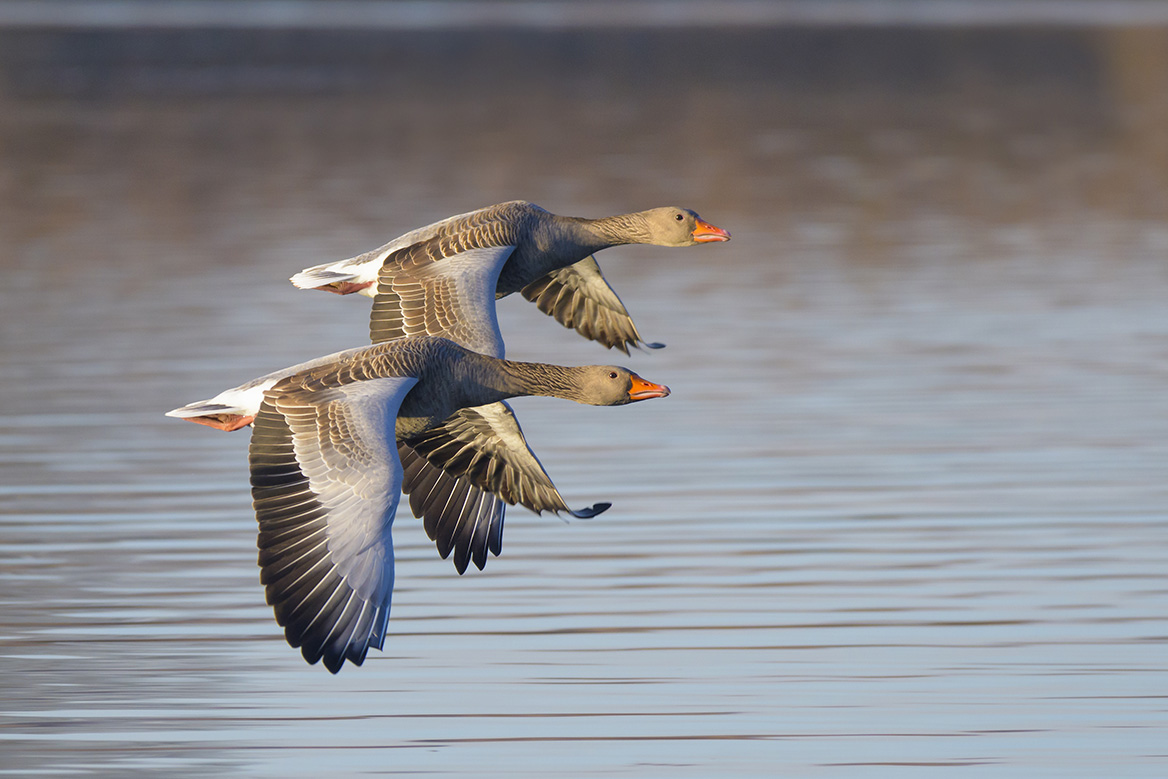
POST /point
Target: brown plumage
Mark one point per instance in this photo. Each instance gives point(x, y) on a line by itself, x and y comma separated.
point(443, 279)
point(326, 474)
point(420, 285)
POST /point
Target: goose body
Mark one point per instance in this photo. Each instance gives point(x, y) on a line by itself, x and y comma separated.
point(326, 473)
point(450, 503)
point(509, 247)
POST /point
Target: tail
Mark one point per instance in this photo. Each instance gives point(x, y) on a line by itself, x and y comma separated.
point(330, 278)
point(218, 415)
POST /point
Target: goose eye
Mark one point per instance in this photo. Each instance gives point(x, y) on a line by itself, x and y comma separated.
point(679, 217)
point(612, 375)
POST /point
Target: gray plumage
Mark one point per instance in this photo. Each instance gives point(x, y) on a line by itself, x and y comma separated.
point(534, 250)
point(442, 279)
point(326, 474)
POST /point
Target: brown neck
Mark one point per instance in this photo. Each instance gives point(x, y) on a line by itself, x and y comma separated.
point(597, 234)
point(494, 379)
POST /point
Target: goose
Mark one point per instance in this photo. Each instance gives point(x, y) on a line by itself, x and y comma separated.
point(462, 512)
point(326, 477)
point(509, 247)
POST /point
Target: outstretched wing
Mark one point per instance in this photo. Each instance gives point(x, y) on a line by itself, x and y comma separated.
point(325, 484)
point(579, 297)
point(458, 474)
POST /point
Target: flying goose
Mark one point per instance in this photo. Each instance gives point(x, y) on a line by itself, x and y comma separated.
point(326, 477)
point(454, 504)
point(509, 247)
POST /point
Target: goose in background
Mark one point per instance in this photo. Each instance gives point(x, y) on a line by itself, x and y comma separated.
point(515, 247)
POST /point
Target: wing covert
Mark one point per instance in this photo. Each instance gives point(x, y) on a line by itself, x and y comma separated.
point(580, 298)
point(440, 288)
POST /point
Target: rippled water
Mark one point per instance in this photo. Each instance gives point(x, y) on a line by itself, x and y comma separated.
point(905, 508)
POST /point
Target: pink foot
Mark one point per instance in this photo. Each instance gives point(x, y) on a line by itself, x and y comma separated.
point(346, 287)
point(228, 422)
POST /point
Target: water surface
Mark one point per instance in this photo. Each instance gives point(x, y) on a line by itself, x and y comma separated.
point(905, 508)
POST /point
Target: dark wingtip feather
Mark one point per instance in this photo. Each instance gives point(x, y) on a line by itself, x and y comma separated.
point(334, 662)
point(461, 559)
point(654, 345)
point(592, 511)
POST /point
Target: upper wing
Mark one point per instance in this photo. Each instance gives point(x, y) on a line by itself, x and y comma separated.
point(579, 297)
point(234, 408)
point(325, 482)
point(449, 468)
point(440, 288)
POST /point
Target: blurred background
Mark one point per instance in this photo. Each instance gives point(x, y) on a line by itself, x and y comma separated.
point(905, 508)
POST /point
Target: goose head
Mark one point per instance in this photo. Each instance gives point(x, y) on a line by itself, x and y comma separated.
point(674, 226)
point(611, 385)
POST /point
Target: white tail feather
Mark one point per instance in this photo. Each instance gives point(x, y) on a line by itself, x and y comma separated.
point(311, 278)
point(243, 401)
point(204, 408)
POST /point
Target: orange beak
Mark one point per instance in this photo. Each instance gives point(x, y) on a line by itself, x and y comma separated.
point(707, 233)
point(643, 390)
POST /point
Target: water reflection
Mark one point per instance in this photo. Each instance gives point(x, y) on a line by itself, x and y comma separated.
point(905, 506)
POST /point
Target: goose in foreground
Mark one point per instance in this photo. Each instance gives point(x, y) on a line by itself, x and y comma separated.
point(326, 477)
point(462, 515)
point(508, 247)
point(462, 512)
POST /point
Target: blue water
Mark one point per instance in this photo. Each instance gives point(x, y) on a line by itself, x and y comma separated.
point(905, 509)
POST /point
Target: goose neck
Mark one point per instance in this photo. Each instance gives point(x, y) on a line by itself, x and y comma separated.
point(596, 234)
point(534, 378)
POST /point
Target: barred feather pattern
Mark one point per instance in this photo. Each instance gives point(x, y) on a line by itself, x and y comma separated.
point(579, 297)
point(459, 474)
point(446, 284)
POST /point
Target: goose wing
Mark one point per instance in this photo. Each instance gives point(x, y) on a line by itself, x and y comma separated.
point(457, 515)
point(458, 474)
point(325, 483)
point(234, 408)
point(443, 282)
point(444, 288)
point(579, 297)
